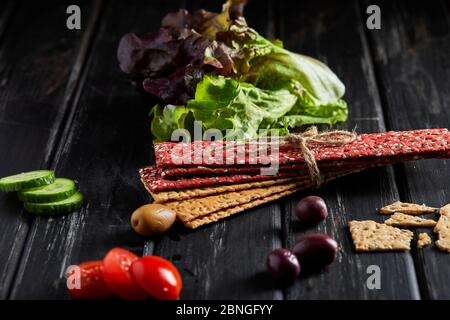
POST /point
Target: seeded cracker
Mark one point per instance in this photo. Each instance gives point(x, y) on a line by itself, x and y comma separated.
point(443, 229)
point(444, 213)
point(424, 240)
point(404, 220)
point(186, 194)
point(213, 217)
point(368, 236)
point(195, 208)
point(154, 182)
point(276, 193)
point(407, 208)
point(182, 172)
point(165, 196)
point(371, 146)
point(445, 210)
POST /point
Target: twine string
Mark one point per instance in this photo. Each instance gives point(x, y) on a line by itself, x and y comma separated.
point(333, 138)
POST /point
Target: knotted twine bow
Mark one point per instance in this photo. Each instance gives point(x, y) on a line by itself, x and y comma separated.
point(334, 138)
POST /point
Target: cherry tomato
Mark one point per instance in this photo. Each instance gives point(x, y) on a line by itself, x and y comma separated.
point(91, 282)
point(158, 277)
point(116, 267)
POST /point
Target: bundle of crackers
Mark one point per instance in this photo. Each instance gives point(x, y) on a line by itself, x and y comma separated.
point(205, 181)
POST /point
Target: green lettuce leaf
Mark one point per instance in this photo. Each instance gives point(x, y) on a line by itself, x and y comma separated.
point(166, 120)
point(226, 104)
point(237, 81)
point(302, 115)
point(268, 65)
point(311, 80)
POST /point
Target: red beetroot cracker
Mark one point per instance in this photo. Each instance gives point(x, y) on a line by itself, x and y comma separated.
point(170, 172)
point(175, 173)
point(154, 182)
point(369, 146)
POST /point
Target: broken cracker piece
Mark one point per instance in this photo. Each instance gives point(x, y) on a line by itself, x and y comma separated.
point(445, 210)
point(444, 243)
point(369, 235)
point(442, 228)
point(441, 224)
point(424, 240)
point(407, 208)
point(404, 220)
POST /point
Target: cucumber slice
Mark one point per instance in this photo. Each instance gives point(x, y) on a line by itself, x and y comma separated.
point(71, 204)
point(27, 180)
point(59, 190)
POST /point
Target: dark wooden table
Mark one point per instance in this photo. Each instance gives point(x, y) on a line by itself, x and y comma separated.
point(64, 104)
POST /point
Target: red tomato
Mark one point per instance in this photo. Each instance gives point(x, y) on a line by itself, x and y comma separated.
point(91, 282)
point(157, 276)
point(116, 266)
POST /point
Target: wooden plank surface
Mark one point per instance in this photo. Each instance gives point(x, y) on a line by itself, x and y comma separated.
point(334, 34)
point(226, 260)
point(7, 10)
point(411, 56)
point(83, 118)
point(38, 71)
point(108, 141)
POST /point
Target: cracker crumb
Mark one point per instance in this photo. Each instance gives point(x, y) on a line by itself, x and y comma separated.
point(424, 240)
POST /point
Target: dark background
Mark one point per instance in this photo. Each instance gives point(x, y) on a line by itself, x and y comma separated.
point(64, 104)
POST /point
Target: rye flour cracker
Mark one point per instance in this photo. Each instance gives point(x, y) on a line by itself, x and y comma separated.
point(369, 235)
point(406, 208)
point(405, 220)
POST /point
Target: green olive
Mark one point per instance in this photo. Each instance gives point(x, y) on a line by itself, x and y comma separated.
point(152, 219)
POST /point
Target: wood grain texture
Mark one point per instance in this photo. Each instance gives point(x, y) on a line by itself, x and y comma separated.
point(226, 260)
point(37, 71)
point(413, 69)
point(334, 34)
point(7, 10)
point(108, 140)
point(82, 117)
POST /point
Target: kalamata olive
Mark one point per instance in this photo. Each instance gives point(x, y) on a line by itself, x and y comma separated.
point(315, 251)
point(152, 219)
point(311, 210)
point(283, 265)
